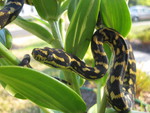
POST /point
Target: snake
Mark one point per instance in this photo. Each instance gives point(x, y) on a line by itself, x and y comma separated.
point(11, 10)
point(120, 85)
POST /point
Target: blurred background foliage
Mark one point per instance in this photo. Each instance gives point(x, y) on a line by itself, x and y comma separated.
point(140, 33)
point(139, 2)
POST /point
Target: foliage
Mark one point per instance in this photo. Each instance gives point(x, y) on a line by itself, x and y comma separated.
point(141, 33)
point(142, 83)
point(42, 89)
point(139, 2)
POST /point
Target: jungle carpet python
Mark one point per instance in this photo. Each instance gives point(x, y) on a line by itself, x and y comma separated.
point(120, 87)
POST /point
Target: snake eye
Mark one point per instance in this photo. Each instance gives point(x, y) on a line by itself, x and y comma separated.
point(50, 57)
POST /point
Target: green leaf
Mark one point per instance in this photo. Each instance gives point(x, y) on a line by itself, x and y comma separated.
point(81, 28)
point(11, 91)
point(42, 89)
point(41, 21)
point(47, 9)
point(115, 14)
point(64, 6)
point(4, 61)
point(72, 6)
point(2, 37)
point(5, 53)
point(8, 37)
point(35, 29)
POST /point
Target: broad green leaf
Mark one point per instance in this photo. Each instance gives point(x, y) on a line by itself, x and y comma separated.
point(64, 6)
point(35, 29)
point(43, 90)
point(6, 38)
point(61, 0)
point(72, 6)
point(41, 21)
point(11, 91)
point(81, 28)
point(4, 61)
point(47, 9)
point(2, 37)
point(115, 14)
point(5, 53)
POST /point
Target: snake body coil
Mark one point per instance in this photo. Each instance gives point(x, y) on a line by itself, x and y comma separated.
point(120, 88)
point(10, 11)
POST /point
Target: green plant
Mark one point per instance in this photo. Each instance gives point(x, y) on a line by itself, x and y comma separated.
point(142, 83)
point(43, 89)
point(141, 33)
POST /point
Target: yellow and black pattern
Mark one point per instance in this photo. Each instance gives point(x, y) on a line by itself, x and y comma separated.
point(10, 11)
point(120, 87)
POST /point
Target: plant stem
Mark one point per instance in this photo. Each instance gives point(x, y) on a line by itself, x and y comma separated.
point(8, 55)
point(98, 96)
point(102, 106)
point(101, 95)
point(58, 43)
point(101, 98)
point(72, 78)
point(62, 29)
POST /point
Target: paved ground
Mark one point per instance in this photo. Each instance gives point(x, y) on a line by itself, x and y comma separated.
point(141, 23)
point(143, 61)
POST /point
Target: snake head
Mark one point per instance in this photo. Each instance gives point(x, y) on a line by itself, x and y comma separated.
point(42, 55)
point(52, 57)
